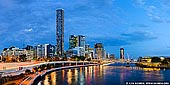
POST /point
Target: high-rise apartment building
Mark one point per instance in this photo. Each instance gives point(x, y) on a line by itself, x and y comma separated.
point(44, 51)
point(81, 41)
point(76, 41)
point(60, 32)
point(98, 50)
point(122, 53)
point(73, 41)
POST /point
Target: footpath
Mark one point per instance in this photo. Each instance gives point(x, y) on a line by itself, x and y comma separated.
point(20, 77)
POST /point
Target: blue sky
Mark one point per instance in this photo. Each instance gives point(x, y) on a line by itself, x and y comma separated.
point(141, 27)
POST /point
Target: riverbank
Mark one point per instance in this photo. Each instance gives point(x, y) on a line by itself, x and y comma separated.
point(152, 65)
point(40, 76)
point(16, 65)
point(31, 73)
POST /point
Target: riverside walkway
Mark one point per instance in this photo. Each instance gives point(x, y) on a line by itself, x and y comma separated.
point(29, 79)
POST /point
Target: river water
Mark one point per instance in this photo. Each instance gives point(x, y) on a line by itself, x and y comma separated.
point(114, 74)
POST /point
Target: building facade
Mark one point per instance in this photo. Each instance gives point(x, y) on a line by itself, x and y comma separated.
point(44, 51)
point(73, 41)
point(39, 51)
point(29, 52)
point(78, 51)
point(122, 53)
point(89, 53)
point(81, 41)
point(60, 32)
point(98, 50)
point(50, 51)
point(76, 41)
point(14, 54)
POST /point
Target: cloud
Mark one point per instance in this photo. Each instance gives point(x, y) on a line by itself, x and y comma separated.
point(109, 41)
point(124, 38)
point(140, 2)
point(28, 30)
point(26, 20)
point(138, 36)
point(156, 10)
point(139, 25)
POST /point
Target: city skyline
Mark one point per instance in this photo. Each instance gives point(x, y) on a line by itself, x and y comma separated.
point(139, 26)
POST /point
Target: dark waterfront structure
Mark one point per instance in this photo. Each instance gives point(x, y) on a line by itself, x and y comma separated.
point(122, 53)
point(60, 32)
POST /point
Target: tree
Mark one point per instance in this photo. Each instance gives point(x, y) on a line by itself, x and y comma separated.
point(82, 58)
point(22, 58)
point(5, 49)
point(89, 59)
point(155, 59)
point(27, 71)
point(164, 62)
point(139, 59)
point(78, 58)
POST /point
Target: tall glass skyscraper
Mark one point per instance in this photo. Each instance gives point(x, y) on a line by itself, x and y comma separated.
point(81, 40)
point(76, 41)
point(98, 50)
point(122, 53)
point(73, 41)
point(60, 32)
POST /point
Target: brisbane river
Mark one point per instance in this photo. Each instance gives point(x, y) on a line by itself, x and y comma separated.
point(113, 74)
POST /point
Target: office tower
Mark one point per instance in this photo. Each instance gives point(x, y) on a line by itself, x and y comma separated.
point(122, 53)
point(44, 51)
point(76, 41)
point(39, 51)
point(60, 32)
point(104, 54)
point(78, 51)
point(87, 46)
point(81, 41)
point(73, 41)
point(98, 50)
point(49, 50)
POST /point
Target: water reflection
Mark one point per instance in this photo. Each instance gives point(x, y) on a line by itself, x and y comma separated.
point(103, 75)
point(53, 78)
point(69, 76)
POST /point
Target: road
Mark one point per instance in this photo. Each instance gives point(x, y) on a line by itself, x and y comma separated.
point(15, 65)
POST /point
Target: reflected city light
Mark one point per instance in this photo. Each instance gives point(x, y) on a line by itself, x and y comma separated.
point(76, 74)
point(99, 75)
point(149, 72)
point(63, 73)
point(91, 73)
point(69, 76)
point(46, 80)
point(86, 71)
point(121, 76)
point(101, 71)
point(53, 78)
point(151, 69)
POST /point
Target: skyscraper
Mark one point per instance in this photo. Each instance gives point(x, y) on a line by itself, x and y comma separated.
point(60, 32)
point(76, 41)
point(98, 50)
point(122, 53)
point(73, 41)
point(81, 40)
